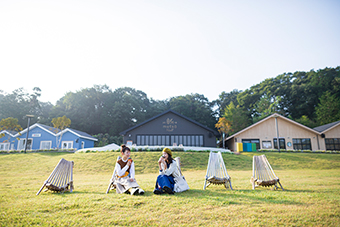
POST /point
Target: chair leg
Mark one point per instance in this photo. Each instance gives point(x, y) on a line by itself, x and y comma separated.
point(205, 184)
point(280, 185)
point(41, 189)
point(108, 189)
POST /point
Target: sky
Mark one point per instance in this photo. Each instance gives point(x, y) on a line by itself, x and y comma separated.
point(165, 48)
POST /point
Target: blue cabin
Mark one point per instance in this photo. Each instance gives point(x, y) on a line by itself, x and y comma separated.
point(43, 137)
point(7, 140)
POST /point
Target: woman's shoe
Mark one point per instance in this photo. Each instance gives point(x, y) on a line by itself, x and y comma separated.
point(158, 191)
point(134, 191)
point(141, 191)
point(168, 190)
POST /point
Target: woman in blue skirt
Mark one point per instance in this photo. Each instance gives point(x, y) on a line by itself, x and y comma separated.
point(167, 169)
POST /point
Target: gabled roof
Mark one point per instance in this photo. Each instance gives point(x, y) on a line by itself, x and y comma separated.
point(9, 132)
point(46, 128)
point(271, 116)
point(56, 132)
point(174, 112)
point(78, 133)
point(326, 127)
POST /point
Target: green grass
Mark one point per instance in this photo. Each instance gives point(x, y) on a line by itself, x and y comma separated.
point(311, 196)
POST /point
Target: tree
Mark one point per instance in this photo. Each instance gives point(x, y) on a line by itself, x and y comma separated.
point(196, 107)
point(18, 104)
point(225, 99)
point(224, 127)
point(237, 117)
point(306, 121)
point(9, 124)
point(328, 110)
point(60, 124)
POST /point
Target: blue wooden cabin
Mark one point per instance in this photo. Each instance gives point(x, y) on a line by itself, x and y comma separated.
point(43, 137)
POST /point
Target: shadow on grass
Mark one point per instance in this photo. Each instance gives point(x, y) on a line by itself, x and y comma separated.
point(240, 196)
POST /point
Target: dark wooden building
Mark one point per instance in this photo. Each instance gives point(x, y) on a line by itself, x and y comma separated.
point(170, 129)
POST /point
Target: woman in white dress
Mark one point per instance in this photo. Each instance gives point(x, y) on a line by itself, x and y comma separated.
point(125, 174)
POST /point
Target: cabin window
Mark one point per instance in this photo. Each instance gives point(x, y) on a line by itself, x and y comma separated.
point(302, 144)
point(21, 144)
point(170, 140)
point(333, 144)
point(45, 145)
point(67, 145)
point(4, 146)
point(282, 143)
point(266, 144)
point(256, 141)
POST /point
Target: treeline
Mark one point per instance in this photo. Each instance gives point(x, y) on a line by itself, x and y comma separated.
point(311, 98)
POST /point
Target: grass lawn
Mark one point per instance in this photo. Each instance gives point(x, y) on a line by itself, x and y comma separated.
point(311, 196)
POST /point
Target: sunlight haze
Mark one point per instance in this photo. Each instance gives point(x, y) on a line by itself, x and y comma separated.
point(163, 48)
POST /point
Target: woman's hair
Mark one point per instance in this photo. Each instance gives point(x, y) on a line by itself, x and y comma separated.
point(169, 159)
point(124, 148)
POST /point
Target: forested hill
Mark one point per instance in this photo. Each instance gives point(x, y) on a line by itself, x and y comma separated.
point(311, 98)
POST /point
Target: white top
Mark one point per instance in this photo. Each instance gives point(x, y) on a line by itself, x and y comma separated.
point(121, 172)
point(172, 170)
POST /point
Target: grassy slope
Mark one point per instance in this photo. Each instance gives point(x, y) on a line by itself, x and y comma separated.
point(312, 195)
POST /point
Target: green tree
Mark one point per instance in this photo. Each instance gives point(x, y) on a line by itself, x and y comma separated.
point(328, 110)
point(18, 104)
point(306, 121)
point(237, 117)
point(196, 107)
point(225, 99)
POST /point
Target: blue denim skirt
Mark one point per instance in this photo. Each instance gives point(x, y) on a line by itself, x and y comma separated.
point(164, 180)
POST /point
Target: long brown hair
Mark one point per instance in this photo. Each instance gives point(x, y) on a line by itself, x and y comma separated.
point(169, 159)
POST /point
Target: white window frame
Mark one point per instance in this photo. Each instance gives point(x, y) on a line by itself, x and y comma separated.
point(82, 144)
point(4, 146)
point(68, 143)
point(23, 145)
point(45, 141)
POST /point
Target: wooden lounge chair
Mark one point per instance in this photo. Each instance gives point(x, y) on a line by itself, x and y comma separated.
point(263, 174)
point(112, 184)
point(61, 178)
point(217, 172)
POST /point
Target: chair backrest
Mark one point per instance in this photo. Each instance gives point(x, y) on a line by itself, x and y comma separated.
point(262, 170)
point(178, 161)
point(216, 166)
point(62, 173)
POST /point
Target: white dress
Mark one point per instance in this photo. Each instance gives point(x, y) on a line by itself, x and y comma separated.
point(123, 184)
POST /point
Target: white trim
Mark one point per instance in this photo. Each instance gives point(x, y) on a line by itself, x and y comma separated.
point(71, 131)
point(5, 131)
point(6, 144)
point(68, 142)
point(267, 118)
point(24, 146)
point(336, 125)
point(34, 126)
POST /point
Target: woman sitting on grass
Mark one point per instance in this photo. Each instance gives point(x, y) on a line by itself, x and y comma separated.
point(125, 170)
point(169, 179)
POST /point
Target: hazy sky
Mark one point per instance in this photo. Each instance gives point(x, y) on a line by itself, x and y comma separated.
point(165, 48)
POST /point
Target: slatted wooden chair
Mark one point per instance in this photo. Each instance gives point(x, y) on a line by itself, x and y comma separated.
point(263, 174)
point(61, 178)
point(112, 184)
point(217, 172)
